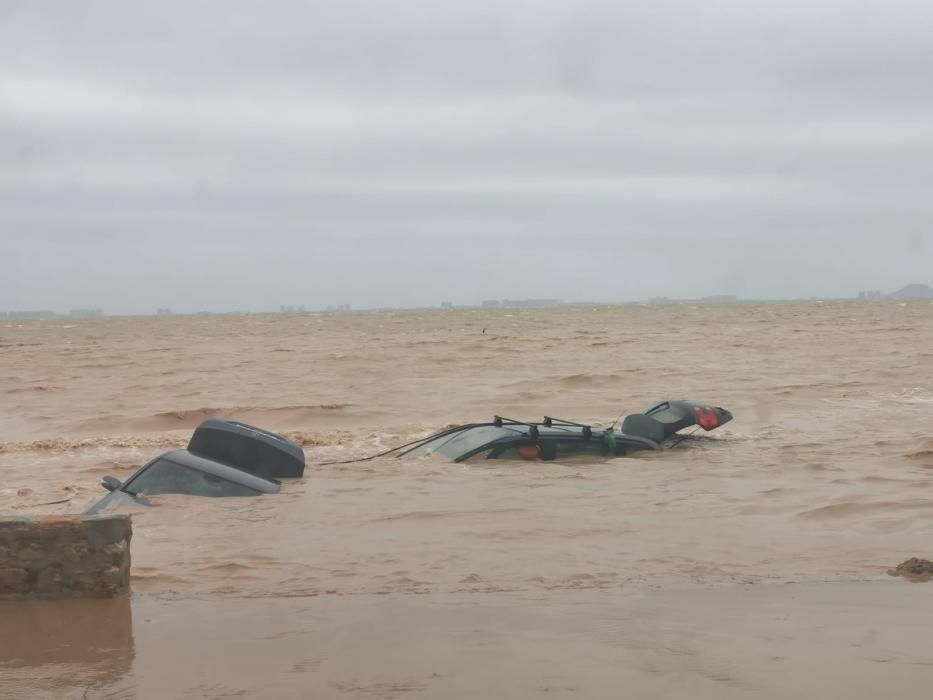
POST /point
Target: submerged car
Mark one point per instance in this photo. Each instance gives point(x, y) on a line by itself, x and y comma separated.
point(223, 458)
point(227, 458)
point(181, 471)
point(247, 447)
point(554, 438)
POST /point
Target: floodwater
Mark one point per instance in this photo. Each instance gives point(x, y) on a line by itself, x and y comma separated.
point(747, 562)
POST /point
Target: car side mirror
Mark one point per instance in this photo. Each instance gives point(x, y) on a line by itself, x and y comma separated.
point(111, 483)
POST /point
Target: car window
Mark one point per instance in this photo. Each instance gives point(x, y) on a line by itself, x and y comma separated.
point(665, 413)
point(554, 449)
point(459, 443)
point(167, 477)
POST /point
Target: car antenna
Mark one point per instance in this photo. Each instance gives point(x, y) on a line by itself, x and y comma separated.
point(616, 421)
point(684, 437)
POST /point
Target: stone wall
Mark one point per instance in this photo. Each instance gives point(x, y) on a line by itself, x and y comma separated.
point(65, 556)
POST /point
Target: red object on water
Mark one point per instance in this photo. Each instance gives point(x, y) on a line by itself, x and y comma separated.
point(529, 451)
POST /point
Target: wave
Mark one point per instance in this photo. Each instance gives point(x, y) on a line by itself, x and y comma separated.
point(583, 379)
point(64, 444)
point(924, 456)
point(303, 438)
point(852, 509)
point(587, 379)
point(187, 419)
point(435, 514)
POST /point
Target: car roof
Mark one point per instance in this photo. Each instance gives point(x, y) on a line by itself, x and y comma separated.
point(456, 444)
point(638, 430)
point(231, 426)
point(209, 466)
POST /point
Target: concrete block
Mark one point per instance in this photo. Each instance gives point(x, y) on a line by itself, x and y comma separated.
point(65, 557)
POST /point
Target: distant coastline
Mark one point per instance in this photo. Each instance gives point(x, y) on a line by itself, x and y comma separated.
point(913, 291)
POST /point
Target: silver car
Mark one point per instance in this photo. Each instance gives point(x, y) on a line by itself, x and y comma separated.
point(180, 471)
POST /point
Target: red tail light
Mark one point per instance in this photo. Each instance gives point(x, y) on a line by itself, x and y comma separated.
point(706, 418)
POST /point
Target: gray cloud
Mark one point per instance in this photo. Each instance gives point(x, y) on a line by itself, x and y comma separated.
point(240, 155)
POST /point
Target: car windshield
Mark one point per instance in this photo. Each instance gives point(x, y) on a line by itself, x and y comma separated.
point(163, 476)
point(460, 442)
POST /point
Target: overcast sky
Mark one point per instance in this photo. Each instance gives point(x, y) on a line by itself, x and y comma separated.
point(242, 155)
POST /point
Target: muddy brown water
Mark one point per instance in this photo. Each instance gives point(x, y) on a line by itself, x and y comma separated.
point(388, 578)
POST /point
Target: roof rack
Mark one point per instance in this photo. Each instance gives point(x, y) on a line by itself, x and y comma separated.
point(548, 422)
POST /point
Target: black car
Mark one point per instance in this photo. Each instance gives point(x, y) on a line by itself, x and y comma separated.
point(555, 438)
point(181, 471)
point(247, 447)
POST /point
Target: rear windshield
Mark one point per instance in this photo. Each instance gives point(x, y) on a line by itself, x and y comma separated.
point(665, 413)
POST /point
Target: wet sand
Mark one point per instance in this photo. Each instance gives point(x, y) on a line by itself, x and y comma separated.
point(852, 640)
point(749, 562)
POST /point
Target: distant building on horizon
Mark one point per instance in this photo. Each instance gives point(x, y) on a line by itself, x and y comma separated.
point(86, 313)
point(521, 303)
point(531, 303)
point(27, 315)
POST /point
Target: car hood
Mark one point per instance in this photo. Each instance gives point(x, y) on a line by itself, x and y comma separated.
point(116, 500)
